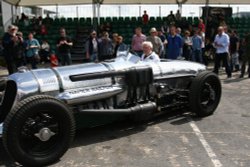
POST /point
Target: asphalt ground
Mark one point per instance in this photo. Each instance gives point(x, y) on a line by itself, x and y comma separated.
point(177, 139)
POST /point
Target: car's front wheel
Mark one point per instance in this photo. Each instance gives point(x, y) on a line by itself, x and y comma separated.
point(38, 130)
point(205, 93)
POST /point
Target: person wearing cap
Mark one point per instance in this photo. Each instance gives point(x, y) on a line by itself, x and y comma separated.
point(148, 54)
point(10, 40)
point(155, 40)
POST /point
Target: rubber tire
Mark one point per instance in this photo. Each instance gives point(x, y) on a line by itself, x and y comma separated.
point(19, 114)
point(195, 93)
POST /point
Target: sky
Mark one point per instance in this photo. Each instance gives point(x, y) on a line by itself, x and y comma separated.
point(135, 10)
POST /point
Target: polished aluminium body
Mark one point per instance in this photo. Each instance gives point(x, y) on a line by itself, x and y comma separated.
point(41, 109)
point(57, 83)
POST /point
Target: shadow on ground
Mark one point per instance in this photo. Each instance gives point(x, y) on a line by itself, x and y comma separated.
point(110, 132)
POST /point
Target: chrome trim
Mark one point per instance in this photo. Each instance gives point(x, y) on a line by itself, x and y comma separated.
point(76, 96)
point(178, 67)
point(46, 79)
point(64, 73)
point(1, 129)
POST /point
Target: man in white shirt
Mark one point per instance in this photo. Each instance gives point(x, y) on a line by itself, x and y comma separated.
point(221, 43)
point(148, 53)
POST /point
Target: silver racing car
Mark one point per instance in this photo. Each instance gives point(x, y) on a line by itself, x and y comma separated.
point(41, 109)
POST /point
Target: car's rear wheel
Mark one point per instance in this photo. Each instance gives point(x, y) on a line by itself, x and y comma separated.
point(38, 131)
point(205, 93)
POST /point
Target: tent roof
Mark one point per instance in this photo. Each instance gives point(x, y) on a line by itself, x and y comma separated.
point(70, 2)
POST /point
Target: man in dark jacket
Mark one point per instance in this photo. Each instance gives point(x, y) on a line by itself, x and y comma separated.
point(9, 42)
point(246, 56)
point(64, 45)
point(120, 46)
point(92, 47)
point(106, 47)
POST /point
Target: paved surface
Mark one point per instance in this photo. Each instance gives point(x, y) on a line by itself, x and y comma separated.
point(175, 140)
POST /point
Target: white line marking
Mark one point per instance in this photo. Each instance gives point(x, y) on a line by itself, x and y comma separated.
point(205, 144)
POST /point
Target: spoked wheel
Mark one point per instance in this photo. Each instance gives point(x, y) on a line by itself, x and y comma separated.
point(38, 131)
point(205, 93)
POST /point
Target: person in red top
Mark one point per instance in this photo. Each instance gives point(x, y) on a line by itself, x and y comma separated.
point(43, 30)
point(201, 25)
point(145, 17)
point(53, 60)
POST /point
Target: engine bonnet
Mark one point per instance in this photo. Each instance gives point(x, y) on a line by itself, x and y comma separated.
point(55, 79)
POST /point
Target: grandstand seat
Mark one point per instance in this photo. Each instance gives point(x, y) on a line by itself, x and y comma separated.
point(196, 21)
point(120, 19)
point(248, 19)
point(243, 19)
point(102, 20)
point(183, 18)
point(127, 19)
point(115, 19)
point(88, 20)
point(82, 20)
point(62, 21)
point(233, 26)
point(133, 19)
point(139, 19)
point(56, 21)
point(190, 20)
point(230, 20)
point(159, 19)
point(152, 19)
point(244, 26)
point(69, 20)
point(75, 20)
point(94, 20)
point(108, 19)
point(127, 40)
point(237, 20)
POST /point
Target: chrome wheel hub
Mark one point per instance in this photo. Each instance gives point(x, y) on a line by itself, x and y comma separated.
point(44, 134)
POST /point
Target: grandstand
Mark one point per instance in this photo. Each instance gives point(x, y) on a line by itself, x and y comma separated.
point(79, 29)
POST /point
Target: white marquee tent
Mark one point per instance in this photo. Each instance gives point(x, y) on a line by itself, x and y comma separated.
point(70, 2)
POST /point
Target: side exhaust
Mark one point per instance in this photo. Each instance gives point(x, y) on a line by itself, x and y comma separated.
point(139, 112)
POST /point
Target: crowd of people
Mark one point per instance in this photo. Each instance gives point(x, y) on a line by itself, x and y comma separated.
point(173, 40)
point(19, 52)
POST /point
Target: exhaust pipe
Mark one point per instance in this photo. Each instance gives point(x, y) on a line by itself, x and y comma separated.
point(138, 112)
